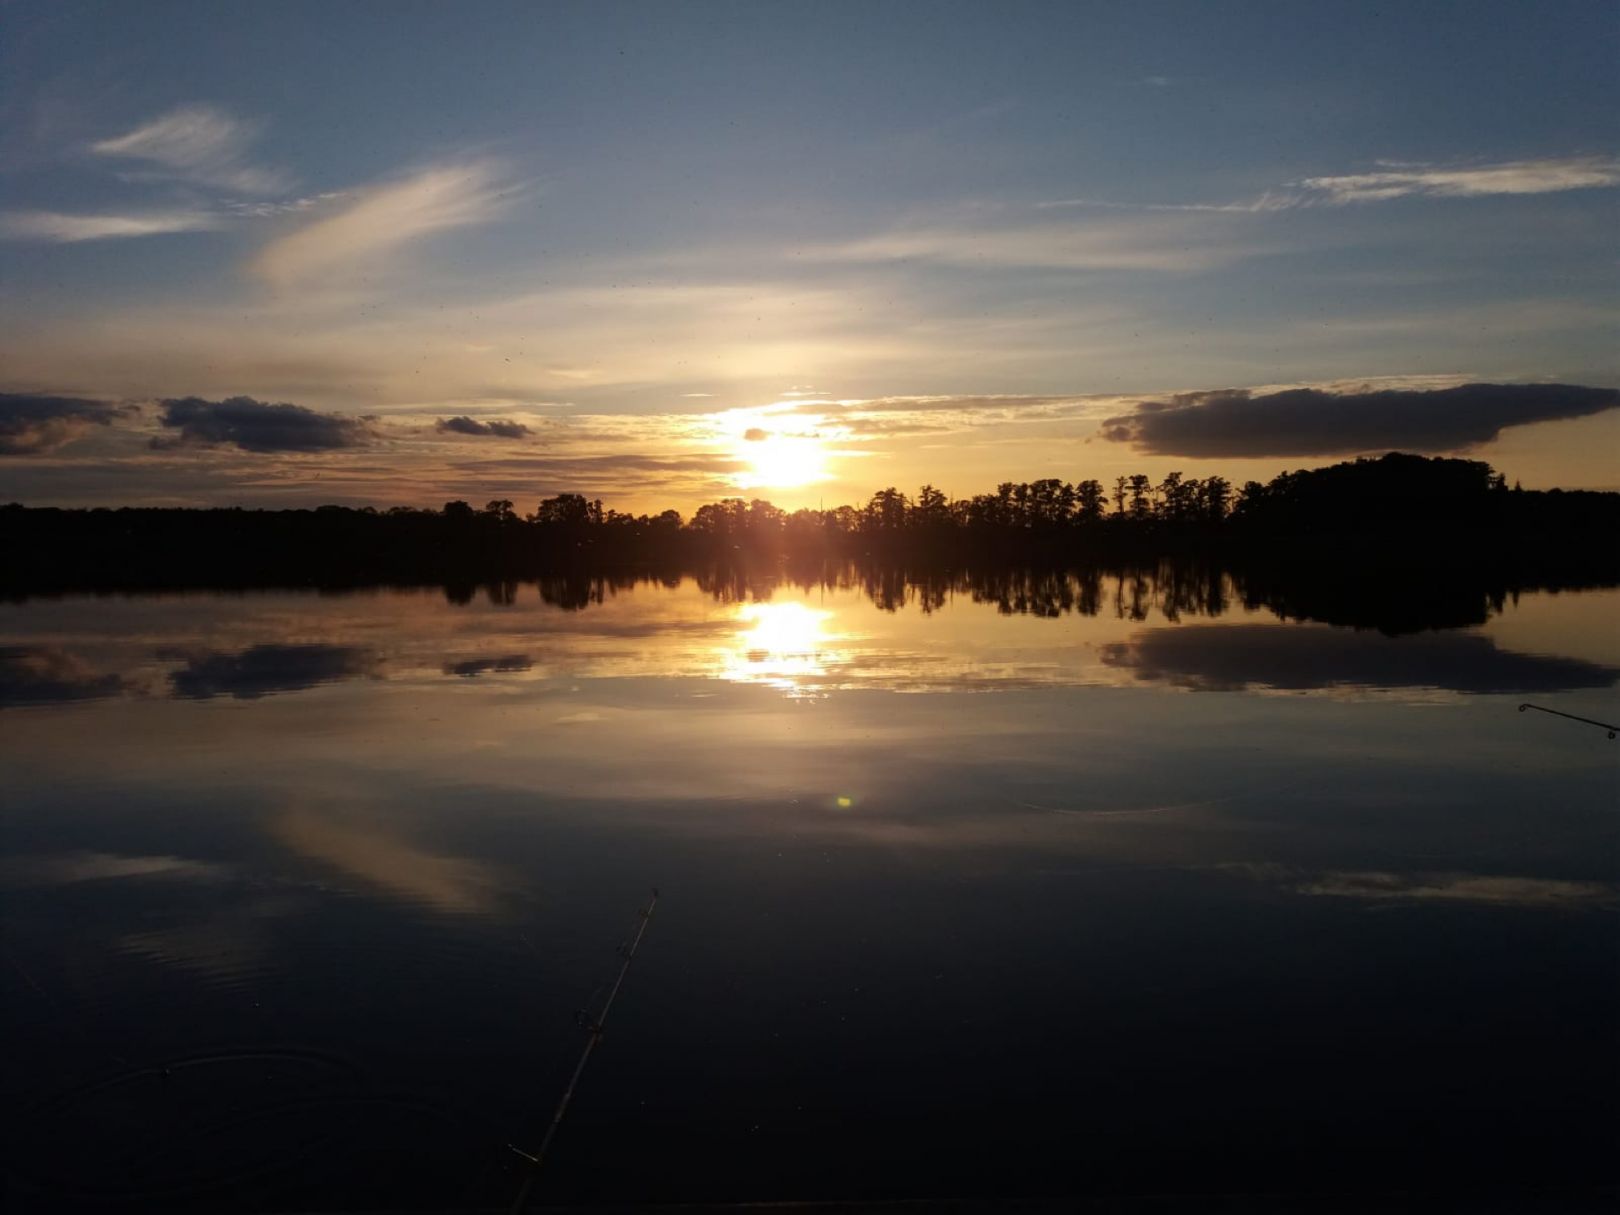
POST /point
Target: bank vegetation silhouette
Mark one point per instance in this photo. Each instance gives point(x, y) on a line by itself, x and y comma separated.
point(1320, 534)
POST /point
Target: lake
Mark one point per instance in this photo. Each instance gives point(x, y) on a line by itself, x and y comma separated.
point(1017, 886)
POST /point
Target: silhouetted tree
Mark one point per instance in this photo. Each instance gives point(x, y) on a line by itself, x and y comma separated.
point(1353, 515)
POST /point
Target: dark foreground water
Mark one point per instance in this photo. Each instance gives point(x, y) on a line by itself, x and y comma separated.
point(1111, 895)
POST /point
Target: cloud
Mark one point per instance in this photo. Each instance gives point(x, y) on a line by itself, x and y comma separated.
point(756, 434)
point(1397, 180)
point(378, 221)
point(197, 143)
point(1513, 177)
point(259, 426)
point(1234, 422)
point(1160, 242)
point(463, 425)
point(61, 228)
point(1018, 404)
point(33, 425)
point(565, 466)
point(1269, 201)
point(264, 669)
point(1299, 658)
point(268, 208)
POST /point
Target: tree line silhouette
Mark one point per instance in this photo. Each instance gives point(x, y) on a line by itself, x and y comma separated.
point(1395, 508)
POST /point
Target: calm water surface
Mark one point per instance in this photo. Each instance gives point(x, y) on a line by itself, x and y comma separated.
point(1118, 893)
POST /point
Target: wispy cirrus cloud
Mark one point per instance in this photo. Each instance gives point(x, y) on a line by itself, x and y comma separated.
point(1270, 200)
point(1399, 180)
point(1154, 243)
point(1395, 179)
point(379, 221)
point(59, 227)
point(605, 467)
point(196, 143)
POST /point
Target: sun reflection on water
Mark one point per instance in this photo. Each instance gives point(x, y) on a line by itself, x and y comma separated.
point(781, 645)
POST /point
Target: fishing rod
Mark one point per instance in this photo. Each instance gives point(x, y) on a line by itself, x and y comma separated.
point(1602, 725)
point(593, 1035)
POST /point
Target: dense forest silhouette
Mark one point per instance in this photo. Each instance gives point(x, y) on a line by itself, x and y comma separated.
point(1317, 541)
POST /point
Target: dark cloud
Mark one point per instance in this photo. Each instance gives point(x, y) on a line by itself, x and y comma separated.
point(1312, 422)
point(34, 675)
point(1298, 658)
point(264, 669)
point(260, 426)
point(473, 667)
point(496, 427)
point(33, 425)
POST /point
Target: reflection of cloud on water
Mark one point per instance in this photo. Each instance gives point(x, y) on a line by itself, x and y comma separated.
point(1233, 657)
point(264, 669)
point(385, 862)
point(506, 664)
point(1507, 890)
point(33, 675)
point(251, 648)
point(1385, 886)
point(69, 868)
point(195, 915)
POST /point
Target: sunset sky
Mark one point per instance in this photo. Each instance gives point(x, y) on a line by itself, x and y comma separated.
point(379, 253)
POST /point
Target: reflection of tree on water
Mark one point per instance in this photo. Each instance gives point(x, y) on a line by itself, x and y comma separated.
point(777, 633)
point(1394, 599)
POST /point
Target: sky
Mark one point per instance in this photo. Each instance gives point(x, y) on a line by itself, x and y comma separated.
point(399, 253)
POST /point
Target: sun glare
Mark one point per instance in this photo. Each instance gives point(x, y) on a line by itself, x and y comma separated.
point(781, 645)
point(781, 461)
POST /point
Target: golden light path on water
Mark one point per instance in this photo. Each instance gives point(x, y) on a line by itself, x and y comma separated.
point(782, 646)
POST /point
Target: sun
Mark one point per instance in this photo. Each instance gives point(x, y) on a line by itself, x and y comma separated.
point(780, 461)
